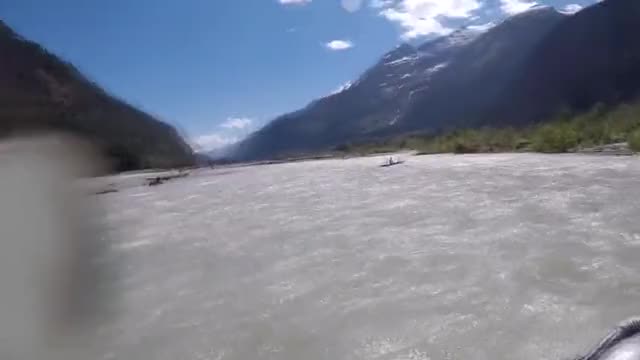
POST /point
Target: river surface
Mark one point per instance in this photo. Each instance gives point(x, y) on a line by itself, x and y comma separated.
point(444, 257)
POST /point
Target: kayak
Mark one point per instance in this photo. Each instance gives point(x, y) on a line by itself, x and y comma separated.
point(392, 164)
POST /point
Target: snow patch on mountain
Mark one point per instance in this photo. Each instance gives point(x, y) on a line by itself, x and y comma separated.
point(402, 60)
point(341, 88)
point(435, 69)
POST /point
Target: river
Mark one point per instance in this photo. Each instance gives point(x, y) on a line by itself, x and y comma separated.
point(516, 256)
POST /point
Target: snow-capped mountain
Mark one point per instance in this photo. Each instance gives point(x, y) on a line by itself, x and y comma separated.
point(467, 78)
point(406, 66)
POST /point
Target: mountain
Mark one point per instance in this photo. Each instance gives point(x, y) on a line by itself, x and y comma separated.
point(39, 91)
point(409, 89)
point(477, 77)
point(367, 107)
point(591, 57)
point(520, 71)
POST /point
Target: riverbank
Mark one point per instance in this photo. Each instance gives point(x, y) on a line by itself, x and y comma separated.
point(617, 149)
point(601, 130)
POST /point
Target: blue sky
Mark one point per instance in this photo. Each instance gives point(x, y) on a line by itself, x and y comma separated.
point(218, 69)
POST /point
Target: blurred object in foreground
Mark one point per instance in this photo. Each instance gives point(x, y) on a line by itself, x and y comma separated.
point(622, 343)
point(52, 251)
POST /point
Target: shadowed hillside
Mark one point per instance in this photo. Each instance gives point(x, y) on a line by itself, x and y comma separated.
point(591, 57)
point(39, 91)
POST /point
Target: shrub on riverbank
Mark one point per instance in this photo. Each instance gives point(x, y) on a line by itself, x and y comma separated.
point(554, 138)
point(566, 133)
point(634, 140)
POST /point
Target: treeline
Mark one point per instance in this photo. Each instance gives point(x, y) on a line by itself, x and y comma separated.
point(564, 133)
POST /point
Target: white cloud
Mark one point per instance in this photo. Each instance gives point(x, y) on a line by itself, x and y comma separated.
point(513, 7)
point(213, 141)
point(571, 9)
point(351, 5)
point(237, 123)
point(234, 129)
point(231, 131)
point(294, 2)
point(338, 45)
point(423, 17)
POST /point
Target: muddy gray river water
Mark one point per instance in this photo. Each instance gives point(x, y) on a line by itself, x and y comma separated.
point(443, 257)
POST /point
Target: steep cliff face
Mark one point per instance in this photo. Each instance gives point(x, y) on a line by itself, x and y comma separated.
point(39, 91)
